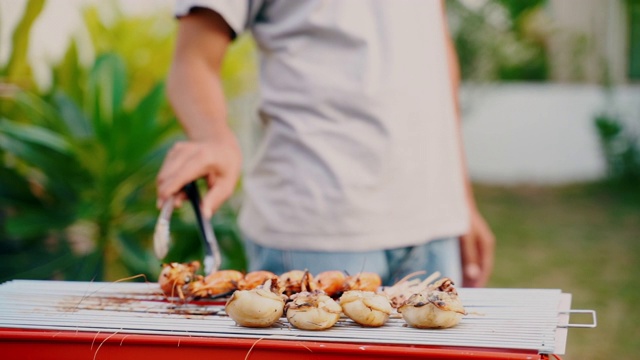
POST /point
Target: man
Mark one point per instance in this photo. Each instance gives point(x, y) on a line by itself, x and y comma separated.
point(361, 166)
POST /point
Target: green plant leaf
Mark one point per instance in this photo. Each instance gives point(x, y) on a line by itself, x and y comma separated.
point(36, 110)
point(69, 76)
point(135, 258)
point(143, 131)
point(105, 96)
point(18, 69)
point(147, 55)
point(77, 124)
point(89, 267)
point(33, 263)
point(14, 190)
point(32, 222)
point(145, 114)
point(608, 127)
point(34, 135)
point(46, 158)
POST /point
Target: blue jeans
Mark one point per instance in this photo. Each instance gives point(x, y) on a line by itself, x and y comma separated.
point(441, 255)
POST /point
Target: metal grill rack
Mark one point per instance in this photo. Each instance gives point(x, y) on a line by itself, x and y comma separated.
point(533, 320)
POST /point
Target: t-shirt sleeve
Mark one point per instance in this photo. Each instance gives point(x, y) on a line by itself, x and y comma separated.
point(235, 12)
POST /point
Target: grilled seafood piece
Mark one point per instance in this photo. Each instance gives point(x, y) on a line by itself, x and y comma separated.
point(175, 278)
point(259, 307)
point(292, 281)
point(366, 307)
point(255, 278)
point(438, 306)
point(407, 286)
point(216, 283)
point(444, 285)
point(366, 281)
point(332, 282)
point(180, 279)
point(311, 309)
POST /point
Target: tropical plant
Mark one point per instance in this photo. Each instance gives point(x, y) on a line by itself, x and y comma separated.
point(147, 54)
point(17, 70)
point(621, 148)
point(78, 162)
point(500, 40)
point(85, 165)
point(82, 180)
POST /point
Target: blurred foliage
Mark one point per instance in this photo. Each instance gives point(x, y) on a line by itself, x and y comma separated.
point(501, 40)
point(619, 137)
point(77, 181)
point(147, 53)
point(633, 18)
point(85, 164)
point(17, 70)
point(621, 147)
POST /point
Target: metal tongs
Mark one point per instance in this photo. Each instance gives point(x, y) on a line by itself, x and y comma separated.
point(162, 236)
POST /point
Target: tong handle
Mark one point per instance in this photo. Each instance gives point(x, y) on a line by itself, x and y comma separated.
point(212, 255)
point(193, 194)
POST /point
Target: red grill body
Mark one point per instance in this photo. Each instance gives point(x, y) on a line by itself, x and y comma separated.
point(67, 345)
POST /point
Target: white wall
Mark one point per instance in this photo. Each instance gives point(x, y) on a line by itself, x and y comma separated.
point(538, 133)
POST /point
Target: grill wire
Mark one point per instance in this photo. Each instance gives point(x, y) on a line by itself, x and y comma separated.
point(524, 319)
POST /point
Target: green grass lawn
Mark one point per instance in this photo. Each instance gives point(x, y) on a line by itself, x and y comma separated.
point(583, 239)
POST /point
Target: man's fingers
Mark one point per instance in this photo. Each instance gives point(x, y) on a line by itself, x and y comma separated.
point(485, 244)
point(218, 162)
point(178, 199)
point(213, 199)
point(470, 267)
point(172, 166)
point(472, 271)
point(180, 168)
point(487, 256)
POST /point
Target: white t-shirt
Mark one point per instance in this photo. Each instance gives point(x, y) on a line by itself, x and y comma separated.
point(361, 148)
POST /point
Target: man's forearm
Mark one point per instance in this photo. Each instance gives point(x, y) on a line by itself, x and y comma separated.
point(194, 86)
point(196, 94)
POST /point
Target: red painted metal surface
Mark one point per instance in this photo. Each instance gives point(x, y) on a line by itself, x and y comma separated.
point(68, 345)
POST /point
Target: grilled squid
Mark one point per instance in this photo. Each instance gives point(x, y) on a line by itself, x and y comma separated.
point(259, 307)
point(365, 307)
point(292, 281)
point(216, 283)
point(256, 278)
point(312, 309)
point(332, 282)
point(400, 292)
point(366, 281)
point(175, 278)
point(438, 306)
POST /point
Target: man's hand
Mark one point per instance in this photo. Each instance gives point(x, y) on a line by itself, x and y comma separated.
point(219, 161)
point(477, 247)
point(194, 89)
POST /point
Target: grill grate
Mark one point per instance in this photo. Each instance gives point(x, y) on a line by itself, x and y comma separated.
point(524, 319)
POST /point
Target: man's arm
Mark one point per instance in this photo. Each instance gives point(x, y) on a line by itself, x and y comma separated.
point(195, 91)
point(478, 244)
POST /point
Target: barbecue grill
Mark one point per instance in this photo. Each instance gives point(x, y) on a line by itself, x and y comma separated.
point(99, 320)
